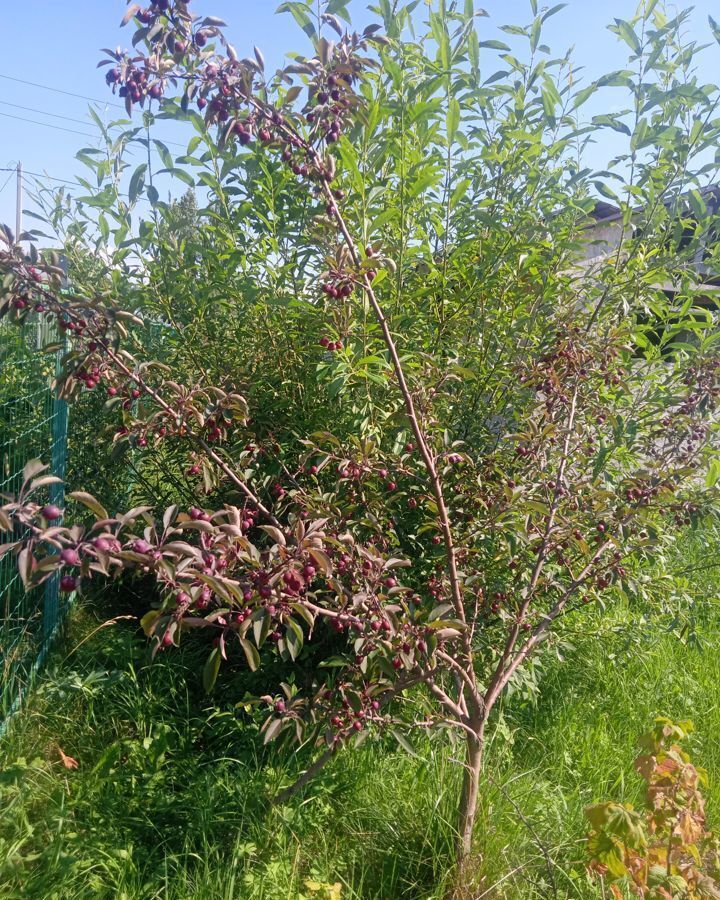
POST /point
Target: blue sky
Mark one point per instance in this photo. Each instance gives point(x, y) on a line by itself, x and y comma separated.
point(57, 44)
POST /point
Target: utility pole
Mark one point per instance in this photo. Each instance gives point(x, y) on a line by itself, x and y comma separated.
point(19, 202)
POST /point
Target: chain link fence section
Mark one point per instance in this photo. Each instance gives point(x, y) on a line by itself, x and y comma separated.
point(33, 425)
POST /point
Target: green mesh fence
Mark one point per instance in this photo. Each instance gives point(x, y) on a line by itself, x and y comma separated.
point(33, 425)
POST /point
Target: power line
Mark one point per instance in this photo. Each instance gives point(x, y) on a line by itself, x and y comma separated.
point(43, 112)
point(62, 128)
point(48, 125)
point(53, 178)
point(7, 180)
point(46, 87)
point(42, 175)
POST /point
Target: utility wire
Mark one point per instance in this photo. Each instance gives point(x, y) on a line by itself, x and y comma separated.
point(67, 118)
point(72, 130)
point(46, 87)
point(41, 175)
point(43, 112)
point(48, 125)
point(7, 180)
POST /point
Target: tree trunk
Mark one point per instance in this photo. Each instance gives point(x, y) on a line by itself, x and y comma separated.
point(469, 798)
point(306, 776)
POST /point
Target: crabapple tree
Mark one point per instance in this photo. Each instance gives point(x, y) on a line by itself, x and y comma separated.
point(498, 416)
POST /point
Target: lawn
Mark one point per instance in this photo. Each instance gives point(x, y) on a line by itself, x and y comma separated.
point(172, 794)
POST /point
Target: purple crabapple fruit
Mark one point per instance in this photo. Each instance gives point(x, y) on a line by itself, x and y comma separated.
point(70, 557)
point(68, 583)
point(51, 512)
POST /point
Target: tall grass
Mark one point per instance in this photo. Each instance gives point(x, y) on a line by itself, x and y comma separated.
point(172, 795)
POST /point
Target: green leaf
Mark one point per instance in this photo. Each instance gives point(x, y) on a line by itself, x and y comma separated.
point(550, 97)
point(584, 95)
point(404, 742)
point(452, 119)
point(251, 654)
point(304, 614)
point(137, 182)
point(620, 821)
point(348, 155)
point(459, 191)
point(423, 183)
point(92, 504)
point(495, 45)
point(553, 10)
point(302, 15)
point(165, 155)
point(33, 468)
point(715, 28)
point(261, 626)
point(273, 730)
point(294, 638)
point(149, 621)
point(337, 7)
point(184, 176)
point(600, 461)
point(535, 31)
point(211, 669)
point(625, 32)
point(611, 122)
point(713, 474)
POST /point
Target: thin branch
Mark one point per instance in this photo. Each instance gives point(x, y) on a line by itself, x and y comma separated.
point(289, 792)
point(498, 680)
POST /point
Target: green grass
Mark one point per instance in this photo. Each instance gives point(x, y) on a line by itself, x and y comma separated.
point(172, 796)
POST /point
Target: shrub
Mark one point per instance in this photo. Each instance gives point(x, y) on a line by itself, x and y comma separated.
point(665, 851)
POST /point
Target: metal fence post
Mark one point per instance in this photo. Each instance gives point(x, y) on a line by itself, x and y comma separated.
point(58, 456)
point(58, 461)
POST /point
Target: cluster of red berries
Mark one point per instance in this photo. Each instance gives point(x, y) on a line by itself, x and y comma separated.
point(215, 428)
point(684, 512)
point(338, 284)
point(359, 470)
point(642, 493)
point(498, 598)
point(333, 99)
point(21, 303)
point(331, 346)
point(436, 588)
point(90, 377)
point(135, 84)
point(346, 717)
